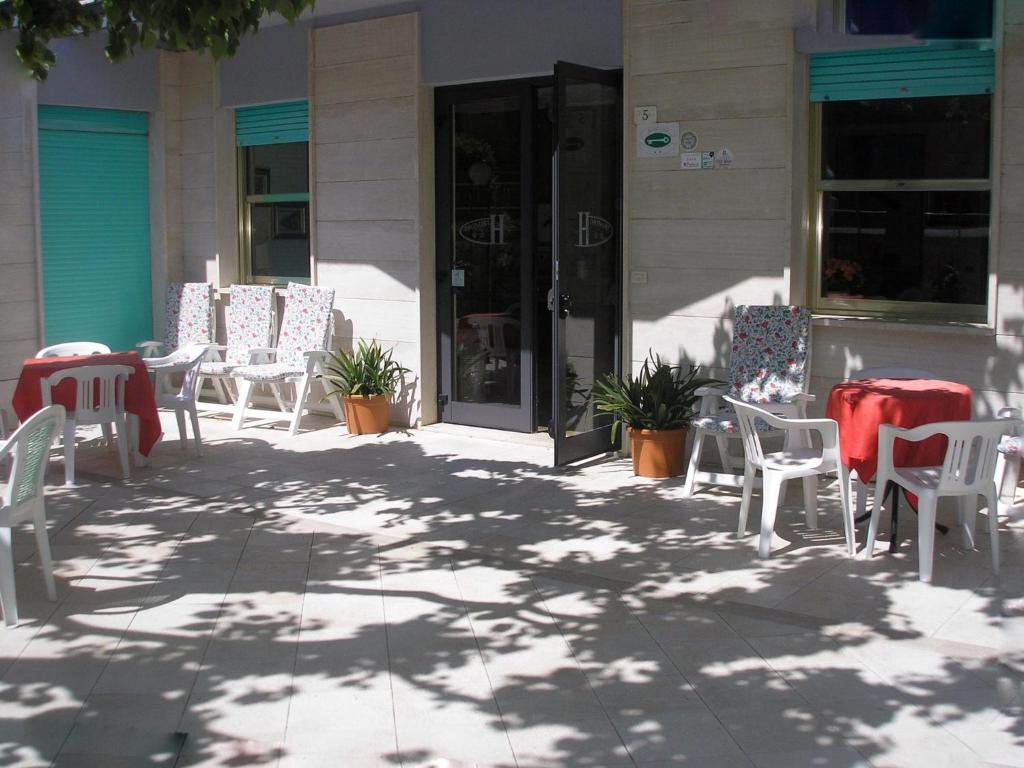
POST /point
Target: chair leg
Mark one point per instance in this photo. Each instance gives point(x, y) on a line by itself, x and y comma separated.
point(301, 390)
point(925, 536)
point(723, 453)
point(69, 452)
point(108, 436)
point(992, 498)
point(881, 481)
point(849, 529)
point(862, 495)
point(748, 490)
point(771, 486)
point(8, 595)
point(122, 447)
point(195, 429)
point(43, 543)
point(282, 403)
point(179, 414)
point(810, 484)
point(965, 516)
point(244, 391)
point(691, 469)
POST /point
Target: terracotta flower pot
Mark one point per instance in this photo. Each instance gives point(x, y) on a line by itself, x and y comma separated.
point(366, 414)
point(657, 453)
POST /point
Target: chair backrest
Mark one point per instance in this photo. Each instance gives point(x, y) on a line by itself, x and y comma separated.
point(893, 372)
point(307, 321)
point(251, 317)
point(746, 416)
point(192, 356)
point(969, 463)
point(99, 391)
point(69, 348)
point(30, 448)
point(771, 349)
point(189, 315)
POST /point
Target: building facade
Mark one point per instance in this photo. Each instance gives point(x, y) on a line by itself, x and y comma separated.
point(817, 153)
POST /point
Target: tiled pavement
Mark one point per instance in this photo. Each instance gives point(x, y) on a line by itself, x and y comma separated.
point(428, 599)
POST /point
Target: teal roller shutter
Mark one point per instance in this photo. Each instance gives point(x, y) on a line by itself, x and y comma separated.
point(272, 124)
point(94, 226)
point(936, 69)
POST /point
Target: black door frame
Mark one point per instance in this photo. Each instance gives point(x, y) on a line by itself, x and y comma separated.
point(522, 417)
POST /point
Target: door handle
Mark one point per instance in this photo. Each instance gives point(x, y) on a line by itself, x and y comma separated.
point(564, 305)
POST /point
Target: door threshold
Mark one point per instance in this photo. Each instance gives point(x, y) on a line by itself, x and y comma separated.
point(534, 439)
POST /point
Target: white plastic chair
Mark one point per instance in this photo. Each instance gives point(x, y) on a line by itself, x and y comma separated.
point(768, 366)
point(967, 471)
point(22, 499)
point(185, 361)
point(883, 372)
point(1010, 449)
point(302, 346)
point(99, 399)
point(251, 320)
point(795, 461)
point(69, 348)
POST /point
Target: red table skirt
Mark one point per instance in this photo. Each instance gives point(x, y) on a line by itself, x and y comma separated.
point(860, 406)
point(139, 398)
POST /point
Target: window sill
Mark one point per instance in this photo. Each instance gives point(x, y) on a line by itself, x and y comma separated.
point(913, 326)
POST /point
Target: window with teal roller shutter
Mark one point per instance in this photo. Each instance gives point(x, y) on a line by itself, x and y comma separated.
point(94, 226)
point(283, 123)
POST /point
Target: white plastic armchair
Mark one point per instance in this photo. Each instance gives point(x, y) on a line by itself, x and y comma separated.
point(797, 460)
point(1008, 463)
point(99, 399)
point(305, 337)
point(769, 367)
point(185, 361)
point(251, 320)
point(967, 471)
point(22, 499)
point(69, 348)
point(189, 319)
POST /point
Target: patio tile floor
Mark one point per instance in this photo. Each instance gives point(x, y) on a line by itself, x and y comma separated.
point(432, 598)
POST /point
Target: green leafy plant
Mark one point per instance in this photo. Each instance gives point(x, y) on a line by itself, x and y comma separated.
point(183, 25)
point(660, 396)
point(369, 370)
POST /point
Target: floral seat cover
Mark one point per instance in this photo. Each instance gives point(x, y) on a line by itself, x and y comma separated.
point(306, 327)
point(1011, 445)
point(725, 422)
point(770, 345)
point(189, 315)
point(250, 324)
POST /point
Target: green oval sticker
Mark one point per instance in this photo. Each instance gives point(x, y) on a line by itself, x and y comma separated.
point(657, 140)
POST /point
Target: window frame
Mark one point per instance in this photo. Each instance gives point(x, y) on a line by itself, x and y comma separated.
point(245, 203)
point(878, 308)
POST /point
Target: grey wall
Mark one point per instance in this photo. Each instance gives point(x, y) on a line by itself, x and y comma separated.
point(83, 77)
point(269, 66)
point(466, 40)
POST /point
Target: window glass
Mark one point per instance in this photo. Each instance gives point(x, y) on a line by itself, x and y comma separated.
point(943, 19)
point(275, 180)
point(906, 246)
point(932, 138)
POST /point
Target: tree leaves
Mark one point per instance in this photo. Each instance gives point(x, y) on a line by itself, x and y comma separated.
point(179, 25)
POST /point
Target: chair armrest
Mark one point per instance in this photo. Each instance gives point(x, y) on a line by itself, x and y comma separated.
point(176, 361)
point(1009, 413)
point(804, 397)
point(710, 391)
point(149, 347)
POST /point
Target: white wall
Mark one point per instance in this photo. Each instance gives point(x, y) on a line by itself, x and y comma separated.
point(20, 335)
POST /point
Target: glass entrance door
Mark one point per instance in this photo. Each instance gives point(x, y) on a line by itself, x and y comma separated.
point(587, 268)
point(485, 256)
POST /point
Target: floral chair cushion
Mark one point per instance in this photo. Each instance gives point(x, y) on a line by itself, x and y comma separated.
point(268, 372)
point(725, 422)
point(250, 321)
point(770, 345)
point(1011, 445)
point(189, 315)
point(306, 325)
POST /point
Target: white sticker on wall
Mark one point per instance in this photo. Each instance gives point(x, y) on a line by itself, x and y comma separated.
point(690, 161)
point(707, 159)
point(724, 158)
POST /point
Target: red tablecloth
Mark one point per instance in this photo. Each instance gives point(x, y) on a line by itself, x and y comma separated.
point(139, 398)
point(861, 405)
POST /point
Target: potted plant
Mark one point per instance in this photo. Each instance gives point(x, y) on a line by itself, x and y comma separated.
point(363, 379)
point(656, 406)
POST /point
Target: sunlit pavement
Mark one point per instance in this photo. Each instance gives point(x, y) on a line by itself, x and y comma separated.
point(430, 599)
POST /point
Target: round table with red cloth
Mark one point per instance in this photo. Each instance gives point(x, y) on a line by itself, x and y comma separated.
point(861, 405)
point(139, 398)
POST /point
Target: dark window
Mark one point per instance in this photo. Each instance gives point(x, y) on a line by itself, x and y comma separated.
point(940, 19)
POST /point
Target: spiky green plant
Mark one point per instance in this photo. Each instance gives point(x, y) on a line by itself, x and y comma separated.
point(660, 396)
point(369, 370)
